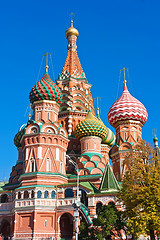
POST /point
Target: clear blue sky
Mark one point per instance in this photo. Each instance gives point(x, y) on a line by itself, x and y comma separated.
point(113, 34)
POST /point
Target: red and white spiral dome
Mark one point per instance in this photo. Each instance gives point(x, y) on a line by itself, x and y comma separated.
point(127, 108)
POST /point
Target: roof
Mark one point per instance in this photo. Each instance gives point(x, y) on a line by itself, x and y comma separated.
point(127, 108)
point(109, 182)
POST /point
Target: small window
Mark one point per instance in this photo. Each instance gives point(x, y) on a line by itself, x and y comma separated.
point(26, 195)
point(86, 146)
point(32, 166)
point(48, 116)
point(53, 194)
point(32, 194)
point(39, 194)
point(135, 135)
point(46, 194)
point(45, 223)
point(61, 167)
point(94, 146)
point(39, 115)
point(125, 136)
point(69, 193)
point(19, 195)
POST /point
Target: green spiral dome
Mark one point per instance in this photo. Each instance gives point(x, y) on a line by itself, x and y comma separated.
point(92, 126)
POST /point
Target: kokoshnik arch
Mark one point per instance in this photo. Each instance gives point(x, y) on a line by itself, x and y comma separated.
point(38, 201)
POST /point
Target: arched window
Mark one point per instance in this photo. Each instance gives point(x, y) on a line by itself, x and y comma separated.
point(4, 198)
point(45, 223)
point(53, 194)
point(125, 136)
point(69, 193)
point(39, 194)
point(111, 203)
point(19, 195)
point(46, 194)
point(32, 166)
point(86, 146)
point(84, 198)
point(39, 115)
point(26, 195)
point(61, 167)
point(32, 194)
point(135, 135)
point(98, 206)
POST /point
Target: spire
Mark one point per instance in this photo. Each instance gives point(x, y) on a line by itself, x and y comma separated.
point(109, 182)
point(72, 66)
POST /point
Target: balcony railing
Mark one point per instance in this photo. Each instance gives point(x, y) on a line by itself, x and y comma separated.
point(44, 202)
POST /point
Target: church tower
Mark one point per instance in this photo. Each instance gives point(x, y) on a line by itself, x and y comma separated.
point(75, 89)
point(42, 142)
point(127, 115)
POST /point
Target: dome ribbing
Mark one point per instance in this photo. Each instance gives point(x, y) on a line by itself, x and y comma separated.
point(127, 108)
point(45, 89)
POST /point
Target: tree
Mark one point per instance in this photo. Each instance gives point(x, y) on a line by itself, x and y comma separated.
point(107, 225)
point(140, 191)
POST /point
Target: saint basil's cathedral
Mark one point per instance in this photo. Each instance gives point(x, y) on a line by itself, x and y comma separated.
point(65, 147)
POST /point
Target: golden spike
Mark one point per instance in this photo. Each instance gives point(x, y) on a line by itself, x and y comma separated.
point(124, 69)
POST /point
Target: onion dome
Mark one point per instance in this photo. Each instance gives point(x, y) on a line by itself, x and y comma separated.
point(92, 126)
point(127, 108)
point(72, 31)
point(45, 89)
point(19, 135)
point(155, 139)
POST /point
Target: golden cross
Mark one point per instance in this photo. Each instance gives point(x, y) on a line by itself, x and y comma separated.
point(47, 57)
point(154, 132)
point(97, 100)
point(124, 69)
point(29, 115)
point(71, 14)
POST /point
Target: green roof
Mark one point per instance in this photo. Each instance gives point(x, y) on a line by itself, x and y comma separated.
point(2, 184)
point(109, 182)
point(90, 186)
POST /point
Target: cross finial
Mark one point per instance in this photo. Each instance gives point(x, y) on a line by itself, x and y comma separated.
point(46, 55)
point(154, 132)
point(124, 69)
point(97, 105)
point(71, 14)
point(29, 114)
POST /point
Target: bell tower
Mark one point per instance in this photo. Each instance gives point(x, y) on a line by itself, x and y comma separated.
point(127, 115)
point(75, 89)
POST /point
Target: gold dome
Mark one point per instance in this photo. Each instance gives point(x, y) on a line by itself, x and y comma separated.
point(72, 31)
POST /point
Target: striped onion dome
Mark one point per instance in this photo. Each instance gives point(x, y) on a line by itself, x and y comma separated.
point(127, 108)
point(92, 126)
point(45, 89)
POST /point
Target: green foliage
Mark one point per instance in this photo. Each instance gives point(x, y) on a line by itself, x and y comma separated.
point(107, 225)
point(140, 191)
